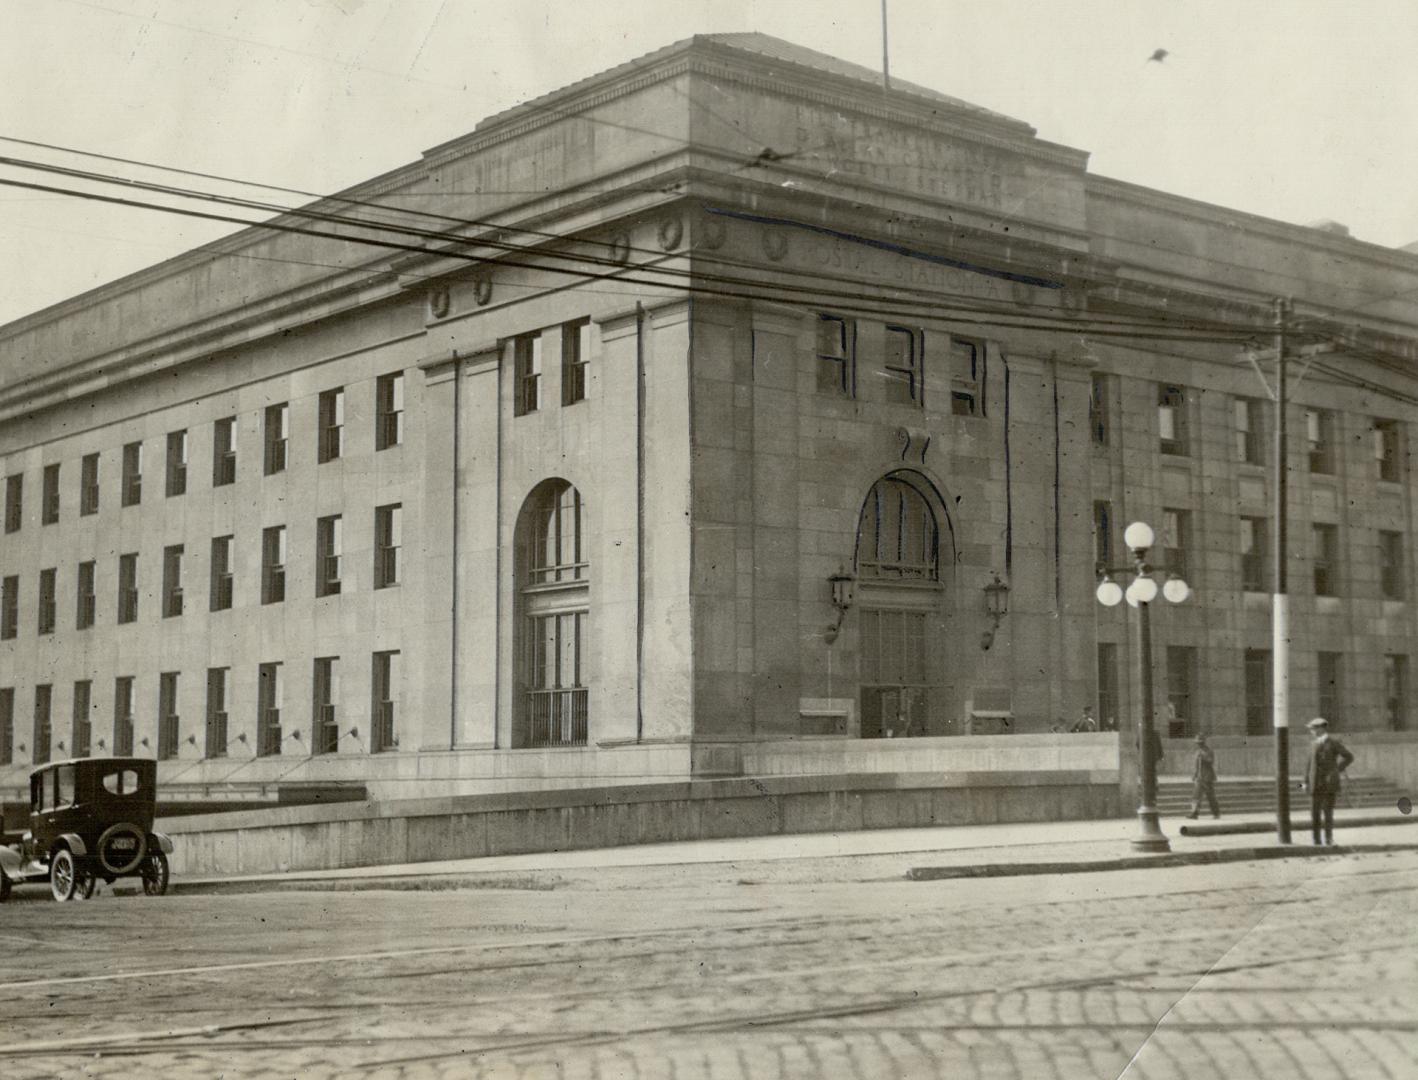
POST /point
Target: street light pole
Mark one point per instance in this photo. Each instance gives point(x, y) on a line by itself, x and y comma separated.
point(1280, 601)
point(1140, 593)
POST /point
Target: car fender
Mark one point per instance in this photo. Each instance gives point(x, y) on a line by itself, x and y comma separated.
point(74, 842)
point(163, 841)
point(10, 862)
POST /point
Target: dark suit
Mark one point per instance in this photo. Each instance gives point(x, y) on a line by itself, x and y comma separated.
point(1328, 759)
point(1204, 781)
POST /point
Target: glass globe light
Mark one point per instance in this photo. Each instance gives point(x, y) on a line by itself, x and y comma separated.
point(1143, 590)
point(1176, 590)
point(1138, 536)
point(1110, 593)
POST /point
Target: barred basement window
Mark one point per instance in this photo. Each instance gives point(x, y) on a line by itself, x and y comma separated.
point(331, 432)
point(88, 485)
point(86, 602)
point(389, 411)
point(575, 358)
point(527, 373)
point(132, 487)
point(270, 694)
point(49, 502)
point(276, 438)
point(224, 452)
point(176, 463)
point(128, 588)
point(836, 354)
point(904, 366)
point(46, 600)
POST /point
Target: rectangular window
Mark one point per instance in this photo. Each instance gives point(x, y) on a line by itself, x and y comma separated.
point(49, 499)
point(273, 564)
point(836, 355)
point(1248, 431)
point(47, 585)
point(1388, 450)
point(1110, 706)
point(1172, 419)
point(81, 735)
point(7, 725)
point(575, 356)
point(1260, 715)
point(388, 539)
point(88, 485)
point(332, 425)
point(270, 693)
point(389, 410)
point(1181, 691)
point(1102, 533)
point(1391, 575)
point(176, 463)
point(1319, 436)
point(224, 452)
point(328, 532)
point(1176, 541)
point(14, 502)
point(216, 712)
point(1253, 557)
point(276, 438)
point(1099, 415)
point(132, 487)
point(527, 369)
point(1328, 670)
point(86, 601)
point(172, 581)
point(128, 588)
point(43, 733)
point(1396, 692)
point(9, 607)
point(168, 722)
point(967, 377)
point(386, 685)
point(1326, 559)
point(903, 367)
point(221, 584)
point(123, 716)
point(325, 730)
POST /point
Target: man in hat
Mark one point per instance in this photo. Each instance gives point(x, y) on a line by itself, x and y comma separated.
point(1328, 759)
point(1204, 778)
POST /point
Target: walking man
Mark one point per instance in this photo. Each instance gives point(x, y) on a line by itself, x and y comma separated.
point(1204, 779)
point(1328, 759)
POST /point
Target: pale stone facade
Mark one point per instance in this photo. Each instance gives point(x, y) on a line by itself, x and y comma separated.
point(713, 214)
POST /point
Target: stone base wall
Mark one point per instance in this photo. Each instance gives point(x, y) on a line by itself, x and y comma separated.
point(1392, 755)
point(372, 834)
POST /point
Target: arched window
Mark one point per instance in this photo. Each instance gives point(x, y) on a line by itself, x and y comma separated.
point(553, 600)
point(898, 537)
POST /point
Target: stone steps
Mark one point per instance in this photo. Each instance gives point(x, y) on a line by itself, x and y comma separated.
point(1250, 795)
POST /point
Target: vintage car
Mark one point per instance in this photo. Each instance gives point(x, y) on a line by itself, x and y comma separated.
point(89, 819)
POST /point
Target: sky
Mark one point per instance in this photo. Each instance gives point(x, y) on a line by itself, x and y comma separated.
point(1299, 110)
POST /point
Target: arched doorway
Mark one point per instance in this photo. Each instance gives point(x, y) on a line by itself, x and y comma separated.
point(899, 595)
point(552, 618)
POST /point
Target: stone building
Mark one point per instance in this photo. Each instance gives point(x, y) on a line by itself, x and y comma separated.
point(553, 474)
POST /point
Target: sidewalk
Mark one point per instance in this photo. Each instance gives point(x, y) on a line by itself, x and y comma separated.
point(954, 851)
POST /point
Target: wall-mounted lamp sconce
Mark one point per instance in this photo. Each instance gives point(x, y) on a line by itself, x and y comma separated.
point(841, 584)
point(241, 738)
point(996, 607)
point(59, 745)
point(192, 740)
point(353, 733)
point(143, 741)
point(20, 747)
point(102, 745)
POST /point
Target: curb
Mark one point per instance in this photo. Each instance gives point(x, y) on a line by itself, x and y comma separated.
point(1301, 825)
point(1140, 862)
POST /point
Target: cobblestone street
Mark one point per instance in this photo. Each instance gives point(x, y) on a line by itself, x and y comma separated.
point(1287, 969)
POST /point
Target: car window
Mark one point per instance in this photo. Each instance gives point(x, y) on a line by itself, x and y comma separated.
point(37, 793)
point(121, 781)
point(64, 785)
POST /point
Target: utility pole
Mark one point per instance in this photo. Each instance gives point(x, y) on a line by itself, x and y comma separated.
point(885, 56)
point(1280, 616)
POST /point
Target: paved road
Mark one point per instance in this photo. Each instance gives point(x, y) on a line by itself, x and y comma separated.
point(1295, 969)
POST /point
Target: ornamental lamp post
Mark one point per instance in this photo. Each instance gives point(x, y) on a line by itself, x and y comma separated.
point(1140, 593)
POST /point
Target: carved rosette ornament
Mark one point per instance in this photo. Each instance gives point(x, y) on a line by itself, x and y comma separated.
point(710, 232)
point(482, 291)
point(620, 248)
point(439, 302)
point(671, 232)
point(775, 244)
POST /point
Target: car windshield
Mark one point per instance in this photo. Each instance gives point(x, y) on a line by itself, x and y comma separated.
point(121, 781)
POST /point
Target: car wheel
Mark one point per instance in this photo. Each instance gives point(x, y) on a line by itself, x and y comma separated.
point(63, 875)
point(155, 874)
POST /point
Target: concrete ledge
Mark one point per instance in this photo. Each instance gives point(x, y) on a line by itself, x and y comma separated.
point(285, 839)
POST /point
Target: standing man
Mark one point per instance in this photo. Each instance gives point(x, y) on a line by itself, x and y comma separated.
point(1328, 759)
point(1204, 779)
